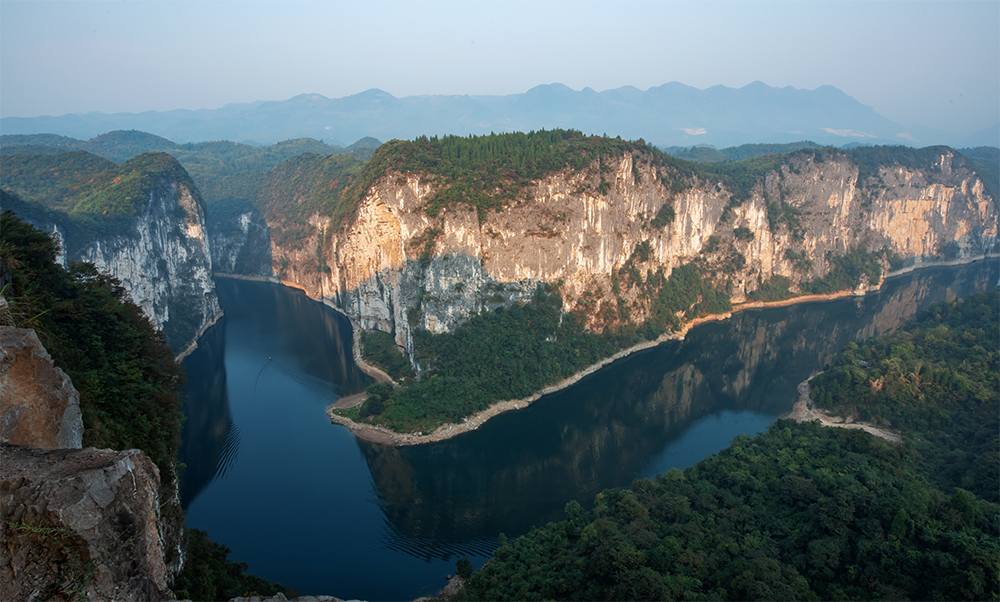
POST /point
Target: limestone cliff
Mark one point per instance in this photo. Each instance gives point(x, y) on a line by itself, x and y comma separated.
point(240, 243)
point(39, 405)
point(160, 251)
point(395, 268)
point(79, 522)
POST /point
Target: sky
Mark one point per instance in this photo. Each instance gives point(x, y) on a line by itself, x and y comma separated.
point(928, 64)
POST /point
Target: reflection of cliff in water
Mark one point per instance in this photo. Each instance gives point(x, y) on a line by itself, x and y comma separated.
point(520, 468)
point(306, 344)
point(209, 432)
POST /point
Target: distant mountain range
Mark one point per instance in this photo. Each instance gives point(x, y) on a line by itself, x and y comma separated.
point(669, 115)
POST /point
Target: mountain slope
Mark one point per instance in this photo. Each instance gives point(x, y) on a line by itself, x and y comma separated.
point(671, 114)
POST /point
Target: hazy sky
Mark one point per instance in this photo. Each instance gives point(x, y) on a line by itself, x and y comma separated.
point(934, 64)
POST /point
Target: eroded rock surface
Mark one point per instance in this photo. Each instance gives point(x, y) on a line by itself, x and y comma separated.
point(39, 405)
point(79, 522)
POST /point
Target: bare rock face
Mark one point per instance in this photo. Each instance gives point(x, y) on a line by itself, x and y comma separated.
point(241, 244)
point(79, 523)
point(395, 268)
point(39, 405)
point(162, 257)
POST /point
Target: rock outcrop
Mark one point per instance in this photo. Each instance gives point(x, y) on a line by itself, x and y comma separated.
point(39, 405)
point(395, 268)
point(240, 243)
point(79, 523)
point(162, 256)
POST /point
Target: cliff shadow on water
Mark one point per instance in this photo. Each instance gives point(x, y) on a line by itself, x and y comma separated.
point(209, 432)
point(270, 334)
point(626, 421)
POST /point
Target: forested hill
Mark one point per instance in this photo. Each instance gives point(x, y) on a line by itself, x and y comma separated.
point(94, 195)
point(119, 146)
point(488, 172)
point(805, 512)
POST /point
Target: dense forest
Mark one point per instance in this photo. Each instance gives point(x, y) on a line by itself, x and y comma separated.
point(936, 380)
point(85, 185)
point(122, 368)
point(514, 351)
point(805, 512)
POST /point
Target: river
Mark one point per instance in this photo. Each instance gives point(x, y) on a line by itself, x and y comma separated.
point(304, 503)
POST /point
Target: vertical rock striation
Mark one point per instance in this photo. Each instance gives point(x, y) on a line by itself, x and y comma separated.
point(240, 244)
point(394, 268)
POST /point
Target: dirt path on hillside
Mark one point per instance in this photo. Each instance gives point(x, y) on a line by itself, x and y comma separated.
point(803, 411)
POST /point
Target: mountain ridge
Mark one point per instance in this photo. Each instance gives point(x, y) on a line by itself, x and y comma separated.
point(672, 114)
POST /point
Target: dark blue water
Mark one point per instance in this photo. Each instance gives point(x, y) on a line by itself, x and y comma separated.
point(304, 503)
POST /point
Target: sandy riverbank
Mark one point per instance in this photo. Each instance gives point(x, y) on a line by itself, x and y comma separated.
point(382, 435)
point(377, 434)
point(803, 411)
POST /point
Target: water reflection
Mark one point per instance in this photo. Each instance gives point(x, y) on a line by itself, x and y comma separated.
point(307, 346)
point(209, 433)
point(520, 468)
point(304, 503)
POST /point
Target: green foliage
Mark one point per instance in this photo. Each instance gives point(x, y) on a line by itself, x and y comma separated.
point(711, 245)
point(378, 394)
point(55, 181)
point(664, 216)
point(743, 233)
point(985, 160)
point(379, 348)
point(698, 154)
point(805, 512)
point(774, 289)
point(96, 194)
point(870, 159)
point(706, 154)
point(506, 354)
point(463, 568)
point(489, 172)
point(847, 271)
point(121, 366)
point(801, 512)
point(685, 293)
point(132, 183)
point(936, 379)
point(741, 177)
point(208, 574)
point(303, 186)
point(749, 151)
point(800, 260)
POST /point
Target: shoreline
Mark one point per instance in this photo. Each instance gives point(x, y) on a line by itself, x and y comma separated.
point(803, 411)
point(382, 435)
point(194, 342)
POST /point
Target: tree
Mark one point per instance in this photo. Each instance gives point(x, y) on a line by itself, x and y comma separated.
point(464, 567)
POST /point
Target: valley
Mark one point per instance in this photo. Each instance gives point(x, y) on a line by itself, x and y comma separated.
point(502, 270)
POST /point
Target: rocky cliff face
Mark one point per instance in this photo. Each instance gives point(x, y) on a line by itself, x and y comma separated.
point(39, 405)
point(395, 268)
point(240, 244)
point(79, 523)
point(163, 259)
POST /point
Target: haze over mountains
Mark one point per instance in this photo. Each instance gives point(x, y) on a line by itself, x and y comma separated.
point(669, 115)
